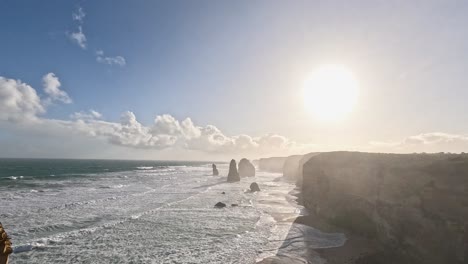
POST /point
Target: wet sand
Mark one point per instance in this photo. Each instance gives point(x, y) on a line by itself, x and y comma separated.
point(356, 249)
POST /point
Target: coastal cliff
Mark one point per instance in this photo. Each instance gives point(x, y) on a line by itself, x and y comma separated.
point(415, 205)
point(292, 167)
point(273, 164)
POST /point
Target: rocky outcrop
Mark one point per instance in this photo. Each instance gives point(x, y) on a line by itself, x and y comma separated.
point(233, 175)
point(246, 169)
point(254, 187)
point(215, 170)
point(5, 246)
point(274, 164)
point(220, 205)
point(414, 204)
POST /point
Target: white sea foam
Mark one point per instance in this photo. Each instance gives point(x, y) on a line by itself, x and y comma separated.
point(157, 215)
point(145, 167)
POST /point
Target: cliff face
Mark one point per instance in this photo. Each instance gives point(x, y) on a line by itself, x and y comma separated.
point(416, 204)
point(274, 164)
point(292, 168)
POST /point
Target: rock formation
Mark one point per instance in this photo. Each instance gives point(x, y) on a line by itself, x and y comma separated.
point(414, 204)
point(254, 187)
point(5, 246)
point(233, 175)
point(292, 168)
point(220, 205)
point(215, 170)
point(246, 168)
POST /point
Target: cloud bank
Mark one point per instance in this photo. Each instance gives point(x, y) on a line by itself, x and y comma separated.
point(19, 102)
point(24, 107)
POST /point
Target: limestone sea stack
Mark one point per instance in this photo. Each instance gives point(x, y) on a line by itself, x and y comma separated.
point(215, 170)
point(233, 175)
point(246, 168)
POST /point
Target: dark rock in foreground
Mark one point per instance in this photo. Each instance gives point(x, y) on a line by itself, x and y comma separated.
point(254, 187)
point(5, 245)
point(220, 205)
point(234, 205)
point(246, 168)
point(233, 175)
point(215, 170)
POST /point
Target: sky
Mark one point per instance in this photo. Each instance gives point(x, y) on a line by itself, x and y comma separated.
point(210, 80)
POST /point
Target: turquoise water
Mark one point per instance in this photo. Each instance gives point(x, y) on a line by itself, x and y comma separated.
point(32, 170)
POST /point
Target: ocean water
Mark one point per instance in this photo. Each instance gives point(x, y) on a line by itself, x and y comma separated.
point(110, 211)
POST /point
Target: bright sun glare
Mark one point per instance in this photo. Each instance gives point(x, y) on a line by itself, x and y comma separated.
point(330, 92)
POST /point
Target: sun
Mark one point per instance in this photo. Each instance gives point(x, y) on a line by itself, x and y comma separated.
point(330, 92)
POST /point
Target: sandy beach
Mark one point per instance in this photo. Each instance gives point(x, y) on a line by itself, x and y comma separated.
point(355, 250)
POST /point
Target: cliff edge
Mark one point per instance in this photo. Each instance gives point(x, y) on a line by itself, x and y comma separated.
point(414, 204)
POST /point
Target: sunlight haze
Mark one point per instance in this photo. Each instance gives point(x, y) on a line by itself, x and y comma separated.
point(216, 78)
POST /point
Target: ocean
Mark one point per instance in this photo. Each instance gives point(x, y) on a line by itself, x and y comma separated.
point(117, 211)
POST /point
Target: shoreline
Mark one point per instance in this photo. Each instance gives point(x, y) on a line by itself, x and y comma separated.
point(355, 250)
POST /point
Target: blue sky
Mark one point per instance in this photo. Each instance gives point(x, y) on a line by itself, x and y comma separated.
point(239, 65)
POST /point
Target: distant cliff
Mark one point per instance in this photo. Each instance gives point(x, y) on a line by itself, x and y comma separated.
point(274, 164)
point(414, 204)
point(292, 167)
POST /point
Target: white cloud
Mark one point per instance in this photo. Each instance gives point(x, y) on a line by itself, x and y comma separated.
point(86, 115)
point(426, 142)
point(79, 15)
point(18, 101)
point(117, 60)
point(21, 106)
point(51, 86)
point(78, 37)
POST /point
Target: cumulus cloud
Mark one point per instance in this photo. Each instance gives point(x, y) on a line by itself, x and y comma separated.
point(117, 60)
point(78, 37)
point(18, 101)
point(51, 86)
